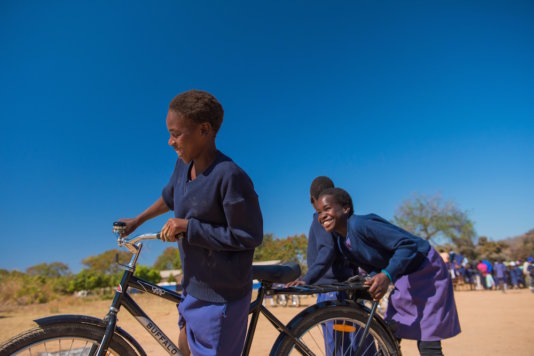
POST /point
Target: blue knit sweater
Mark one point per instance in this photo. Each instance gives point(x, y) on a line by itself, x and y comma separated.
point(225, 225)
point(376, 244)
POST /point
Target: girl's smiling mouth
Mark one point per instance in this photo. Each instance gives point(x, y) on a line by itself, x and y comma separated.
point(327, 222)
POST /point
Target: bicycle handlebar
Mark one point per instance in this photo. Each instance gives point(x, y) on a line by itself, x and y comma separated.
point(132, 240)
point(132, 243)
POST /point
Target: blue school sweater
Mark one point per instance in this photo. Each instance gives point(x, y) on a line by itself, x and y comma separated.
point(225, 225)
point(325, 264)
point(376, 244)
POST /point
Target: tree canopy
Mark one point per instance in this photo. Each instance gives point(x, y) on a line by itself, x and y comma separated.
point(290, 249)
point(49, 270)
point(106, 261)
point(438, 221)
point(169, 259)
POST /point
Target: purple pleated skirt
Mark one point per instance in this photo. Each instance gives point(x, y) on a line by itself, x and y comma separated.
point(422, 303)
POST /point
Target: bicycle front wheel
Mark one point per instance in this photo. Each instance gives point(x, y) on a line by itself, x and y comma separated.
point(64, 339)
point(337, 330)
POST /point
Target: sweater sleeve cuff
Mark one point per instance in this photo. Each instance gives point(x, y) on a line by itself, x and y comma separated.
point(192, 225)
point(387, 274)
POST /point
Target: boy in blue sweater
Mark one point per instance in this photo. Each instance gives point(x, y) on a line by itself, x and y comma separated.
point(422, 303)
point(217, 212)
point(325, 264)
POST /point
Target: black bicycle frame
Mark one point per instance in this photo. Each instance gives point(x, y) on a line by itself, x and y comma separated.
point(123, 299)
point(256, 308)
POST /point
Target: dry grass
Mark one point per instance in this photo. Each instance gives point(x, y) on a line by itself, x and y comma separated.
point(493, 323)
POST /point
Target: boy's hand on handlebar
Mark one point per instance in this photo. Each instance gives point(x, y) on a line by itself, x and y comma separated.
point(378, 285)
point(172, 228)
point(296, 282)
point(131, 225)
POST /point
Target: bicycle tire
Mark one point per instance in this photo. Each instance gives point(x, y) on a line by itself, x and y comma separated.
point(60, 339)
point(350, 320)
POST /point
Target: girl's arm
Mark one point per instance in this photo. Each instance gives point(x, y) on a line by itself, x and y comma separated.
point(392, 238)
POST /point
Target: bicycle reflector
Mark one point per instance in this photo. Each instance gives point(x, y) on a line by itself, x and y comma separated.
point(344, 328)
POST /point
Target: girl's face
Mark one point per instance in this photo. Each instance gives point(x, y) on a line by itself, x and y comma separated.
point(188, 138)
point(332, 216)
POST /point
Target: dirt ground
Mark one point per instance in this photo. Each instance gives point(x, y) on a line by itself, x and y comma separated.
point(493, 323)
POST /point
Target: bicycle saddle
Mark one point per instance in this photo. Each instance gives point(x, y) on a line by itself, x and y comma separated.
point(283, 273)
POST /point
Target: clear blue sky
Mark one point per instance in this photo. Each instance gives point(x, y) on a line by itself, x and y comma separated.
point(388, 98)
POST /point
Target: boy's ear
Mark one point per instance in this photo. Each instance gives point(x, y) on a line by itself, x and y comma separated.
point(205, 128)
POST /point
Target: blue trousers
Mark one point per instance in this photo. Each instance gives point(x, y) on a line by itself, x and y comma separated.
point(214, 328)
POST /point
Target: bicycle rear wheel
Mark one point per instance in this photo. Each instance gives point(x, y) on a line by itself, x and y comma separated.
point(336, 330)
point(64, 339)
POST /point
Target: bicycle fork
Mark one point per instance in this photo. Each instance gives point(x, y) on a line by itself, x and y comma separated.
point(111, 318)
point(366, 330)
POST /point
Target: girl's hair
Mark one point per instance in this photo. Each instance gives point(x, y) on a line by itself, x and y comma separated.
point(340, 196)
point(319, 184)
point(199, 106)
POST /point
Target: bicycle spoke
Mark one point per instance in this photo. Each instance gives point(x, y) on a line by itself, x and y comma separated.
point(340, 336)
point(70, 348)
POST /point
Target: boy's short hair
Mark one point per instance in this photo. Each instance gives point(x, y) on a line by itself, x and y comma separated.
point(318, 185)
point(199, 106)
point(340, 196)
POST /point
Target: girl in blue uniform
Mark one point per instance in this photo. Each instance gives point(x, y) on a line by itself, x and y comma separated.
point(217, 212)
point(422, 304)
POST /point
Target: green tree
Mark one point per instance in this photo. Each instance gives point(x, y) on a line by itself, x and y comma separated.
point(106, 261)
point(147, 273)
point(437, 221)
point(52, 270)
point(267, 250)
point(169, 259)
point(292, 248)
point(491, 250)
point(89, 279)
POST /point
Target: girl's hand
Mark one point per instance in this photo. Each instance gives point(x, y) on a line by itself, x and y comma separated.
point(296, 282)
point(131, 225)
point(378, 285)
point(172, 228)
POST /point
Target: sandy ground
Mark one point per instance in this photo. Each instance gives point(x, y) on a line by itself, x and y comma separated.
point(493, 323)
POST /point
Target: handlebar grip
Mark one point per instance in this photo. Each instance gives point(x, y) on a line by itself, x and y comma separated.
point(179, 236)
point(119, 224)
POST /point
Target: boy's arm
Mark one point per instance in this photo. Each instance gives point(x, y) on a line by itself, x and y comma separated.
point(159, 207)
point(326, 254)
point(244, 229)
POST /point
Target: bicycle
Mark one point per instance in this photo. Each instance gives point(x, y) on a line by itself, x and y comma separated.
point(357, 329)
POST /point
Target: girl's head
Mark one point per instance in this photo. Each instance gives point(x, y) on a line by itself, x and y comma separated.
point(193, 120)
point(334, 207)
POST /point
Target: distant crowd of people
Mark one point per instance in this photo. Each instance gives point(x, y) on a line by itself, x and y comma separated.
point(488, 275)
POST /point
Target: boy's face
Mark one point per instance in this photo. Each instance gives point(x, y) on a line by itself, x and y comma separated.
point(187, 137)
point(332, 215)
